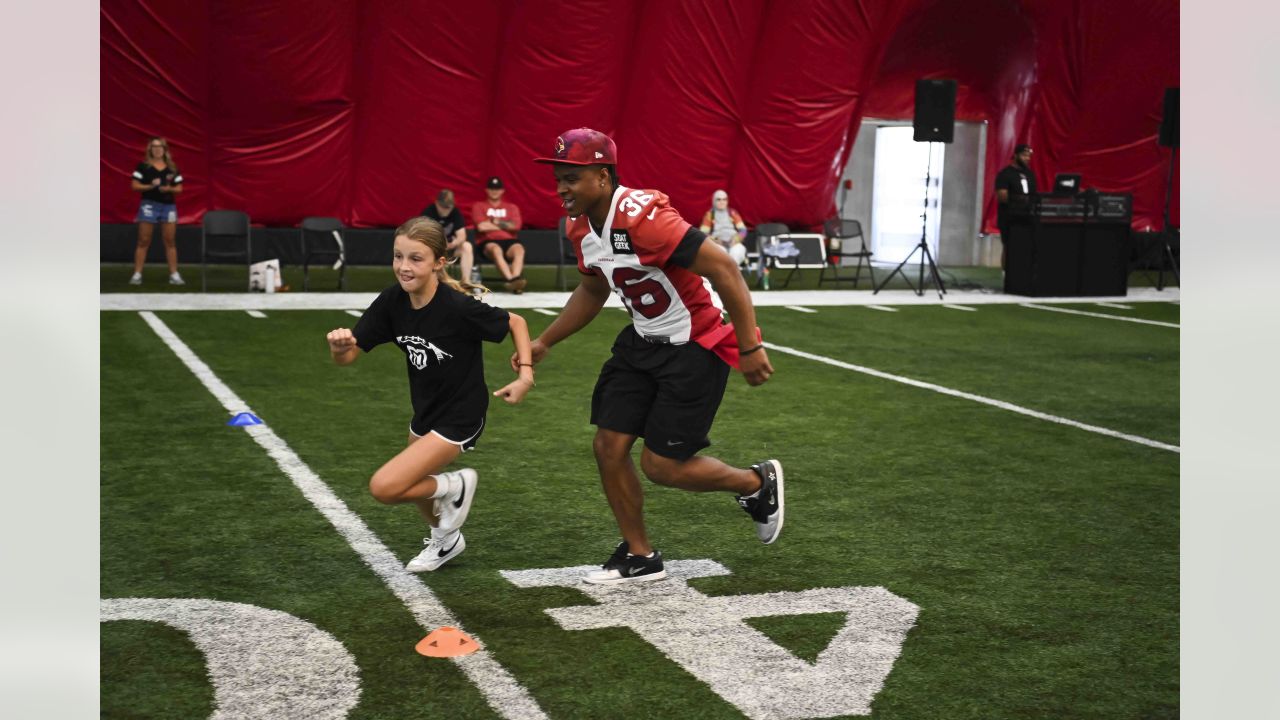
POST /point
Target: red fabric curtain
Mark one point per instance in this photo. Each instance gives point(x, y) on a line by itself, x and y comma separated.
point(363, 111)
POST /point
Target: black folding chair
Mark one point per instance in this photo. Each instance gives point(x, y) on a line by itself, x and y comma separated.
point(843, 232)
point(221, 235)
point(323, 239)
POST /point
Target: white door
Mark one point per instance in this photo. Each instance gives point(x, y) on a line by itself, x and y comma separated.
point(899, 195)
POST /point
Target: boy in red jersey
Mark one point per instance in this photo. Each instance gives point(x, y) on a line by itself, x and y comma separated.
point(669, 368)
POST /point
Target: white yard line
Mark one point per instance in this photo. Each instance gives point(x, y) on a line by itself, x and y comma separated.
point(507, 696)
point(1117, 306)
point(799, 308)
point(256, 313)
point(1098, 315)
point(882, 308)
point(976, 398)
point(355, 313)
point(959, 307)
point(545, 311)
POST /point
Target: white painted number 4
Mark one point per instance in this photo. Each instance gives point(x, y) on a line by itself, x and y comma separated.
point(634, 202)
point(707, 636)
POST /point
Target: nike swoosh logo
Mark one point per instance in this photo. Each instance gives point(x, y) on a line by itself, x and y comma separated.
point(442, 553)
point(461, 496)
point(674, 442)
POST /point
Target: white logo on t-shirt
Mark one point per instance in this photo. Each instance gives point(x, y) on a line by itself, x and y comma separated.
point(421, 351)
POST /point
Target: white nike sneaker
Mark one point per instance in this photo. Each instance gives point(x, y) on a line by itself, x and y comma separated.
point(453, 508)
point(135, 279)
point(176, 279)
point(440, 549)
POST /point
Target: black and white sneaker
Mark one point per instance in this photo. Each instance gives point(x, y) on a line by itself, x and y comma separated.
point(766, 506)
point(623, 567)
point(440, 548)
point(454, 507)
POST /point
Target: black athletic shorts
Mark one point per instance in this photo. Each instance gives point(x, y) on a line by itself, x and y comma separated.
point(666, 394)
point(503, 245)
point(465, 436)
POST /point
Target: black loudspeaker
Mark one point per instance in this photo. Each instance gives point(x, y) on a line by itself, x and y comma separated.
point(1169, 123)
point(935, 119)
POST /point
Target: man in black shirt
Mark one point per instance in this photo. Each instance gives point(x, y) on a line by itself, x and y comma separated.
point(445, 211)
point(1014, 186)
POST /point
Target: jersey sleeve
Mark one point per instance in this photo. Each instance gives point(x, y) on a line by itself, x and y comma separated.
point(480, 320)
point(374, 326)
point(574, 232)
point(663, 237)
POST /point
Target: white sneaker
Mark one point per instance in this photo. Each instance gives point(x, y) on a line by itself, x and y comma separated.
point(136, 279)
point(440, 549)
point(453, 508)
point(174, 279)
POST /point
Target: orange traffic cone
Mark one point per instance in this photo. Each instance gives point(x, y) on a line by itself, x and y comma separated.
point(447, 641)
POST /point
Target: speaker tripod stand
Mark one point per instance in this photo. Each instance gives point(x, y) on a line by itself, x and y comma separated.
point(926, 257)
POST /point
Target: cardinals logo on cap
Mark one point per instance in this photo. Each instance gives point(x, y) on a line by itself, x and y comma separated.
point(583, 146)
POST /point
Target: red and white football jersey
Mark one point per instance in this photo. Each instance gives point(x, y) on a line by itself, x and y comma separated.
point(634, 253)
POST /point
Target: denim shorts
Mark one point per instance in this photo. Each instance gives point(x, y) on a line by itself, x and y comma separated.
point(151, 211)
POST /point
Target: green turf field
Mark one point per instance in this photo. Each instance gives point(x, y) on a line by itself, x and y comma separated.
point(1043, 557)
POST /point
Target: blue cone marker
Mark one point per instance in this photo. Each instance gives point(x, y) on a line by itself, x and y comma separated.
point(244, 418)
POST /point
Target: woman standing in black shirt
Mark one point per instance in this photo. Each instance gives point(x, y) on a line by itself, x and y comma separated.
point(159, 181)
point(436, 323)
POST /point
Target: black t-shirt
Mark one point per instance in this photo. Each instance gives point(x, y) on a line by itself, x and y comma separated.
point(145, 173)
point(441, 343)
point(450, 223)
point(1020, 183)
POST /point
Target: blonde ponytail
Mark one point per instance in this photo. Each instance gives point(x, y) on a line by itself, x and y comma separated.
point(429, 233)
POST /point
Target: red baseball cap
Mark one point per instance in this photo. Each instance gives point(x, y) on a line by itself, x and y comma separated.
point(583, 146)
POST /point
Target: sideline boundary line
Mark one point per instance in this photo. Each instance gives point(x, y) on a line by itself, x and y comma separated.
point(503, 693)
point(976, 398)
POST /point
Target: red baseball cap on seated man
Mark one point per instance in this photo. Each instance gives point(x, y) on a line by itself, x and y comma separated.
point(583, 146)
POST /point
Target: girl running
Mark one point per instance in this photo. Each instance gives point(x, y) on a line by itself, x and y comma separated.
point(438, 326)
